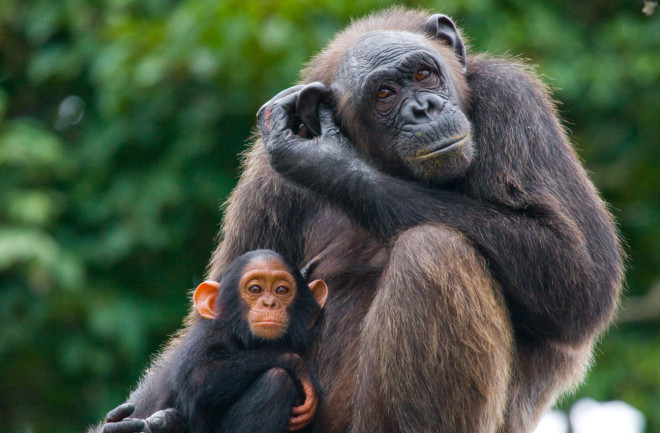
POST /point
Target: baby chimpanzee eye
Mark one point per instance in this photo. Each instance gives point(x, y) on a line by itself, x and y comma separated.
point(282, 290)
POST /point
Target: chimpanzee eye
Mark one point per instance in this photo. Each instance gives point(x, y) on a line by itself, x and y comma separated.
point(383, 93)
point(282, 290)
point(422, 74)
point(254, 289)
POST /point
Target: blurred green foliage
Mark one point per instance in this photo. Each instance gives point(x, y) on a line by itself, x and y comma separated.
point(120, 125)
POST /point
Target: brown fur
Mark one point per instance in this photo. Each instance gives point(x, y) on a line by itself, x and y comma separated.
point(418, 333)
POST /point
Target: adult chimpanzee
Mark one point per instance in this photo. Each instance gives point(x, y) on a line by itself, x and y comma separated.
point(241, 371)
point(472, 262)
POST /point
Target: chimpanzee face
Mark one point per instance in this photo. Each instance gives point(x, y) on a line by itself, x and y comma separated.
point(400, 90)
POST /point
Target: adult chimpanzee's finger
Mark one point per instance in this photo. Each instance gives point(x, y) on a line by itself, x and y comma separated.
point(263, 115)
point(283, 113)
point(327, 118)
point(166, 421)
point(129, 425)
point(120, 412)
point(307, 105)
point(287, 92)
point(158, 423)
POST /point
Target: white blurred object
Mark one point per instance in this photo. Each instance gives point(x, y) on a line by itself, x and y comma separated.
point(589, 416)
point(552, 421)
point(70, 112)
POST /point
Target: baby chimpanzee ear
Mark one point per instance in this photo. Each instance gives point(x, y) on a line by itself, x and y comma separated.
point(205, 299)
point(320, 291)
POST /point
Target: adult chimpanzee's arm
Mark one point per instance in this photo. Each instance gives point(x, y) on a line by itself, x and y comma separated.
point(547, 236)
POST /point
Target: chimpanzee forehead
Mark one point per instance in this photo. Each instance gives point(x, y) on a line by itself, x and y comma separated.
point(265, 263)
point(381, 49)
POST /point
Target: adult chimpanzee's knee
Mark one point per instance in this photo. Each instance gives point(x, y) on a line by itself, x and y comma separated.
point(271, 396)
point(439, 321)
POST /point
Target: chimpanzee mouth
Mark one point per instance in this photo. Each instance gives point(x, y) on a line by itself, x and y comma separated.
point(443, 147)
point(268, 323)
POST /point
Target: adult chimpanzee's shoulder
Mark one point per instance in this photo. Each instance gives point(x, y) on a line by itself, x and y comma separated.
point(515, 121)
point(508, 82)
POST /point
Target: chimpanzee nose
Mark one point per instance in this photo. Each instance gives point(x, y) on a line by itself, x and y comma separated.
point(268, 301)
point(422, 108)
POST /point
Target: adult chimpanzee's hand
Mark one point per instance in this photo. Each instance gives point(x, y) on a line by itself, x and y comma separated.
point(163, 421)
point(300, 134)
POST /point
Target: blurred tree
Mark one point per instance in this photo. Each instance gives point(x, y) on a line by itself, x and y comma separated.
point(120, 125)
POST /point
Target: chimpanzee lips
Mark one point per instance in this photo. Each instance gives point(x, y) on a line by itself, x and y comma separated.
point(442, 147)
point(268, 329)
point(269, 323)
point(269, 320)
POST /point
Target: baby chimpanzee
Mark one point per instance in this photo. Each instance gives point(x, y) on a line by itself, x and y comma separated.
point(241, 370)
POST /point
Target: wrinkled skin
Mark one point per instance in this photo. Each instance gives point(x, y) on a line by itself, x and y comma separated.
point(410, 119)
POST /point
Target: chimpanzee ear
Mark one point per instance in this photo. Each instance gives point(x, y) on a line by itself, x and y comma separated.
point(307, 105)
point(205, 298)
point(443, 28)
point(320, 291)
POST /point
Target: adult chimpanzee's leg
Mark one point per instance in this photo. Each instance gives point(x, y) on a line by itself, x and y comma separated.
point(436, 342)
point(540, 373)
point(265, 406)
